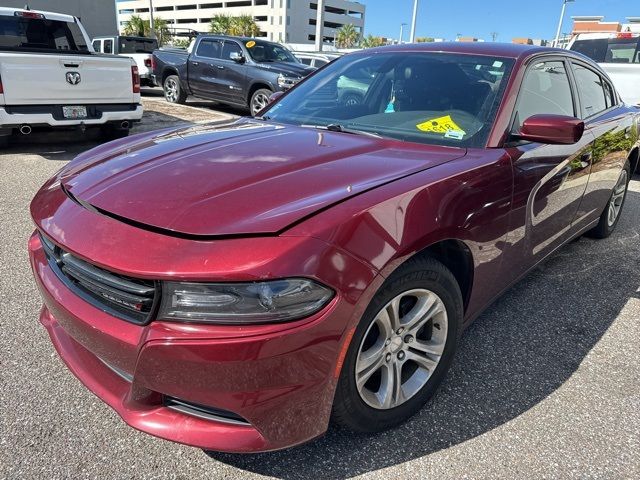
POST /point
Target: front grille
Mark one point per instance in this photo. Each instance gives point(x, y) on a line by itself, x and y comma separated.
point(130, 299)
point(204, 412)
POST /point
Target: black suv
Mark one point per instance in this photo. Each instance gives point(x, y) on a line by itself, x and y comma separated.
point(233, 70)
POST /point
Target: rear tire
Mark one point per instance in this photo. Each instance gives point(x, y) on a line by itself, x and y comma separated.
point(375, 395)
point(611, 214)
point(173, 91)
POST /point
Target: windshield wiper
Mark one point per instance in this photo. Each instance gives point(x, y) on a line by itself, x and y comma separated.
point(336, 127)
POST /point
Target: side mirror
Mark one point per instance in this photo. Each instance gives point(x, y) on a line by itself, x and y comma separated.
point(237, 57)
point(551, 129)
point(274, 97)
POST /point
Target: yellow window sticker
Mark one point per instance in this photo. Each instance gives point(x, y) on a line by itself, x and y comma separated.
point(250, 44)
point(441, 125)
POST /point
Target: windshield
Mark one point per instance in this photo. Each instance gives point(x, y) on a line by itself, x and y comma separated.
point(610, 50)
point(433, 98)
point(21, 33)
point(269, 52)
point(137, 45)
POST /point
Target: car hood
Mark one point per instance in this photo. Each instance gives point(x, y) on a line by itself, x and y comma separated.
point(244, 178)
point(287, 68)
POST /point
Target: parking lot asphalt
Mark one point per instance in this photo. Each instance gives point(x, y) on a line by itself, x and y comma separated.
point(546, 383)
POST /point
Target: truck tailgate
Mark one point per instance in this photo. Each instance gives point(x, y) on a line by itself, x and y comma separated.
point(626, 78)
point(39, 79)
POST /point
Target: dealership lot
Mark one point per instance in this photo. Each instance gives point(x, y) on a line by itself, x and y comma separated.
point(545, 383)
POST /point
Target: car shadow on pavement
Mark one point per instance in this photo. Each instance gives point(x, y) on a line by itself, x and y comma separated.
point(520, 351)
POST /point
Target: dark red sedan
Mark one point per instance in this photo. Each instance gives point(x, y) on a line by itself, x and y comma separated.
point(236, 287)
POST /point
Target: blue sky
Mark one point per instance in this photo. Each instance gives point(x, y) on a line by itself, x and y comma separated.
point(478, 18)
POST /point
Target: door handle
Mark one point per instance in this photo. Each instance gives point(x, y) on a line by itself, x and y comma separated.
point(220, 67)
point(195, 64)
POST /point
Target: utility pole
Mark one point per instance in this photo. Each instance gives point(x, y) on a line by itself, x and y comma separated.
point(402, 25)
point(152, 30)
point(319, 25)
point(564, 5)
point(494, 35)
point(413, 21)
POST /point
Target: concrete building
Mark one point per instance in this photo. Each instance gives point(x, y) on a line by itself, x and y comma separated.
point(98, 16)
point(289, 21)
point(596, 24)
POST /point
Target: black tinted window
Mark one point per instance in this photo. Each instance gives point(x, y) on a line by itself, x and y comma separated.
point(137, 45)
point(610, 50)
point(545, 90)
point(591, 90)
point(20, 33)
point(306, 61)
point(209, 49)
point(609, 95)
point(108, 46)
point(229, 48)
point(96, 45)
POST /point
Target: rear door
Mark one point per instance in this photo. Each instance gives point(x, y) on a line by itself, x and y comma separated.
point(549, 180)
point(203, 72)
point(609, 123)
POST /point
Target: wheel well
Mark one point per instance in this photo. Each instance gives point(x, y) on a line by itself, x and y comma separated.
point(634, 156)
point(456, 256)
point(167, 72)
point(257, 86)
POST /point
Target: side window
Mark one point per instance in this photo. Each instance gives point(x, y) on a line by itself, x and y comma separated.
point(609, 94)
point(320, 63)
point(209, 48)
point(229, 48)
point(545, 90)
point(96, 45)
point(591, 91)
point(108, 46)
point(306, 61)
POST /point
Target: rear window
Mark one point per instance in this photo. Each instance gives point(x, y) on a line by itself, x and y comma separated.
point(40, 34)
point(137, 45)
point(610, 50)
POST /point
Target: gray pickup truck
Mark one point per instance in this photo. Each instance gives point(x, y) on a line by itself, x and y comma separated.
point(237, 71)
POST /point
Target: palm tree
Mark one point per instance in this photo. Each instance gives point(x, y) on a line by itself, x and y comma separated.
point(221, 24)
point(136, 26)
point(139, 27)
point(241, 26)
point(370, 41)
point(347, 36)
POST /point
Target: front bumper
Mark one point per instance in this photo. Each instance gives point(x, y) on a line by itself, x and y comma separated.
point(51, 115)
point(279, 379)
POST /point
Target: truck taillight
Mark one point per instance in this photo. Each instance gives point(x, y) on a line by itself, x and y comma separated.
point(135, 78)
point(1, 88)
point(27, 14)
point(147, 62)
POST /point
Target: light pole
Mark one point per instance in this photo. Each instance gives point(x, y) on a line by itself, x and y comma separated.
point(402, 25)
point(413, 21)
point(564, 5)
point(319, 25)
point(152, 29)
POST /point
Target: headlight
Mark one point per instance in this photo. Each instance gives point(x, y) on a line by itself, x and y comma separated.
point(287, 82)
point(238, 303)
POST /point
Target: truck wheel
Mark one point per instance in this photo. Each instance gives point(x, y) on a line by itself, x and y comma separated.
point(259, 100)
point(173, 92)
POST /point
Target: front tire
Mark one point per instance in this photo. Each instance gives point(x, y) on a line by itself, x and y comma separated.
point(402, 348)
point(611, 214)
point(259, 100)
point(173, 91)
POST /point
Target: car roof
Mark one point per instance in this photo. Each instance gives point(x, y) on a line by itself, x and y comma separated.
point(48, 15)
point(510, 50)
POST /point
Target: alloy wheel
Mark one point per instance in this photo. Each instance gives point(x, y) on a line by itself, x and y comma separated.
point(258, 102)
point(171, 90)
point(617, 198)
point(401, 349)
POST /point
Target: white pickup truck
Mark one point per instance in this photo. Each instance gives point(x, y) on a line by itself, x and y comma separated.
point(51, 77)
point(139, 48)
point(619, 55)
